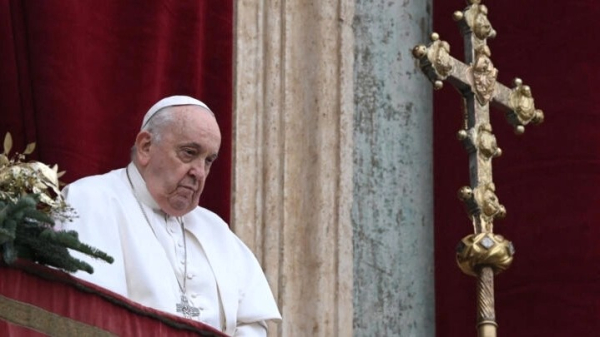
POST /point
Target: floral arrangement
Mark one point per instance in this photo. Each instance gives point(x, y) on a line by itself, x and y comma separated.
point(30, 206)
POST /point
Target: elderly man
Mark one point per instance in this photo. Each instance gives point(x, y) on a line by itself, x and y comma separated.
point(170, 254)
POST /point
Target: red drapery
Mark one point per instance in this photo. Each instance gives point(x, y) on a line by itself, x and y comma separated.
point(35, 298)
point(547, 178)
point(76, 77)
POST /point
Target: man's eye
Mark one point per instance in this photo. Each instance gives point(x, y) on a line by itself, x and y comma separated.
point(188, 152)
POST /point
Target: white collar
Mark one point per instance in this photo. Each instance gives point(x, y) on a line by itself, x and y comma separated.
point(141, 190)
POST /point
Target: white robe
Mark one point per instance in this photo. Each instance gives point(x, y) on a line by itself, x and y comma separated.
point(110, 219)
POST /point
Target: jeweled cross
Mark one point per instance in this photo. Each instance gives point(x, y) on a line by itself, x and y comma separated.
point(483, 253)
point(186, 309)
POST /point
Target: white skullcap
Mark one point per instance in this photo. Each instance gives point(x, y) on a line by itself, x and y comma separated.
point(171, 101)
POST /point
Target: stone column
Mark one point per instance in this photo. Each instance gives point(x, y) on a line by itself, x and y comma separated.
point(292, 174)
point(392, 212)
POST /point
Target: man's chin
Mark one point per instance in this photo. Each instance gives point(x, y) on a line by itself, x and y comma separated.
point(179, 207)
point(177, 213)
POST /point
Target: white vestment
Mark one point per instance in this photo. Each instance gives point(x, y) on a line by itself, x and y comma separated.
point(224, 278)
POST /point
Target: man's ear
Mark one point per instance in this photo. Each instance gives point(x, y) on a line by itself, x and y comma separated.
point(143, 141)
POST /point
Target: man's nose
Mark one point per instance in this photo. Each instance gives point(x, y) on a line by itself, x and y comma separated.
point(198, 170)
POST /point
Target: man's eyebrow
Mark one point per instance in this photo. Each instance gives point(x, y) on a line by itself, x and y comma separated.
point(199, 147)
point(191, 144)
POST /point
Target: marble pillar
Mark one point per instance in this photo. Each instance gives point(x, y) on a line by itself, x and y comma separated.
point(392, 211)
point(292, 174)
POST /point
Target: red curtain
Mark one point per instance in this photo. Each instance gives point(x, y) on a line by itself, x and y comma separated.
point(547, 178)
point(77, 76)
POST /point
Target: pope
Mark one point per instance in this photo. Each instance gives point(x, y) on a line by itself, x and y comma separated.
point(171, 254)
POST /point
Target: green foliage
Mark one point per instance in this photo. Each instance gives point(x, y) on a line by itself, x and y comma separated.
point(28, 232)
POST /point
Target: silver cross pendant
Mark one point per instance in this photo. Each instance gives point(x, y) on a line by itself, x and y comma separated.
point(186, 309)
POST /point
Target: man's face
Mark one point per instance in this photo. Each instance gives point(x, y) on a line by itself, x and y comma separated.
point(175, 167)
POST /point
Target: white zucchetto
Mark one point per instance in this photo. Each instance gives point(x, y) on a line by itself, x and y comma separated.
point(171, 101)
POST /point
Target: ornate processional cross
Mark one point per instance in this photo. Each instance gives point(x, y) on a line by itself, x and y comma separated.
point(483, 253)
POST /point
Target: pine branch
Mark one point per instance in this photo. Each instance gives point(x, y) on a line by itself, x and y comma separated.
point(47, 253)
point(27, 232)
point(9, 254)
point(70, 239)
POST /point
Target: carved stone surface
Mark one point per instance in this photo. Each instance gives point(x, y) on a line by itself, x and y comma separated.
point(292, 174)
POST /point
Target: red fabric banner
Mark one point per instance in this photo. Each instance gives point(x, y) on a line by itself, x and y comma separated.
point(35, 298)
point(547, 178)
point(76, 77)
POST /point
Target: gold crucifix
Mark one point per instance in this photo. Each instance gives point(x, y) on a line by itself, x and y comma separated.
point(482, 254)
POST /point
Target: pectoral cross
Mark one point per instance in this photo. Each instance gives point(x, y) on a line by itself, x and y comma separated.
point(482, 254)
point(186, 309)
